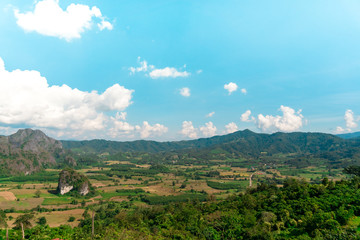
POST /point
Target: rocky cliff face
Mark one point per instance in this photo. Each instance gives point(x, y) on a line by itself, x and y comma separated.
point(70, 180)
point(28, 151)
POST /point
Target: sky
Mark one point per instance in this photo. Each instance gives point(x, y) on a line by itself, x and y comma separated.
point(177, 70)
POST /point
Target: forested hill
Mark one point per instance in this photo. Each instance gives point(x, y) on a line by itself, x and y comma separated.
point(349, 135)
point(242, 142)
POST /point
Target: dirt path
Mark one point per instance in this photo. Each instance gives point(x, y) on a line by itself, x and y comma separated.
point(250, 182)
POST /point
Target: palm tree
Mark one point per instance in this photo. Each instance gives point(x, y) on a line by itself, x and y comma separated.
point(23, 221)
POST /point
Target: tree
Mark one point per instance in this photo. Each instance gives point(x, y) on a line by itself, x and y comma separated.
point(3, 223)
point(37, 194)
point(42, 221)
point(352, 170)
point(23, 221)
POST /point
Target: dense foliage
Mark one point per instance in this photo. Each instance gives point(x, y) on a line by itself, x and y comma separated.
point(298, 210)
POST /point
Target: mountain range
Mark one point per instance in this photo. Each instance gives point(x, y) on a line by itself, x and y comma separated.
point(243, 142)
point(29, 150)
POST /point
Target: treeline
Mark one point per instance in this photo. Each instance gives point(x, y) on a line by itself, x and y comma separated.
point(298, 210)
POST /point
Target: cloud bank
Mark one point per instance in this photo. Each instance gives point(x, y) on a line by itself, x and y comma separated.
point(26, 99)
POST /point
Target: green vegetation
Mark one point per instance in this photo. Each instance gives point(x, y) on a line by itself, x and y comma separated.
point(57, 201)
point(122, 192)
point(224, 185)
point(298, 210)
point(156, 200)
point(304, 186)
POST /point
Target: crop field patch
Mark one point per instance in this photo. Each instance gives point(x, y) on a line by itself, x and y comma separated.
point(9, 196)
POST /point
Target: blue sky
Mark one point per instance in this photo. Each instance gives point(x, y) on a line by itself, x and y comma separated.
point(76, 69)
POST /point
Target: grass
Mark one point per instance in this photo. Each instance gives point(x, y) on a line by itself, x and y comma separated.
point(124, 192)
point(56, 201)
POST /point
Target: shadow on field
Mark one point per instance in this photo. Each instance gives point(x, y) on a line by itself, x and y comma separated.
point(52, 192)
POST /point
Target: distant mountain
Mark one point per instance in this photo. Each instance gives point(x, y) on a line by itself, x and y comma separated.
point(349, 135)
point(243, 143)
point(28, 151)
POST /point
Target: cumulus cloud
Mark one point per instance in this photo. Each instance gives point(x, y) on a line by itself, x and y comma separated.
point(288, 122)
point(210, 114)
point(231, 127)
point(208, 130)
point(245, 117)
point(26, 98)
point(188, 129)
point(350, 122)
point(150, 70)
point(185, 92)
point(349, 119)
point(231, 87)
point(146, 129)
point(49, 19)
point(244, 91)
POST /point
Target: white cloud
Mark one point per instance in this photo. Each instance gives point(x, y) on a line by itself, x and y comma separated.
point(185, 92)
point(208, 130)
point(147, 130)
point(231, 127)
point(199, 71)
point(349, 119)
point(121, 116)
point(245, 117)
point(231, 87)
point(288, 122)
point(150, 70)
point(49, 19)
point(210, 114)
point(244, 91)
point(168, 72)
point(144, 67)
point(188, 129)
point(350, 122)
point(341, 130)
point(105, 25)
point(27, 99)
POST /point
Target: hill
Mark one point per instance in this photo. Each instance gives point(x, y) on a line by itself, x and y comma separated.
point(245, 143)
point(28, 151)
point(349, 135)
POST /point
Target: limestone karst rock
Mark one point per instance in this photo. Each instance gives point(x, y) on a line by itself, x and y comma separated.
point(70, 180)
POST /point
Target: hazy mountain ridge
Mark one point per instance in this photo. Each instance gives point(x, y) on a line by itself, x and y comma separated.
point(245, 142)
point(349, 135)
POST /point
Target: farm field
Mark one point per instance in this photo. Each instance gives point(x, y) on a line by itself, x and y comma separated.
point(140, 185)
